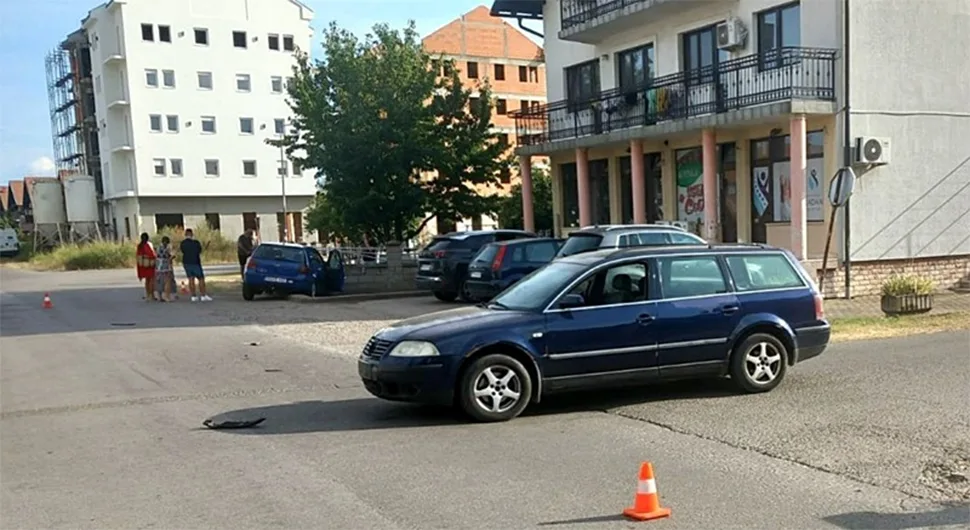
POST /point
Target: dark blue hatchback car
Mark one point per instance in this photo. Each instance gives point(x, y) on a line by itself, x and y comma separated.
point(499, 265)
point(604, 319)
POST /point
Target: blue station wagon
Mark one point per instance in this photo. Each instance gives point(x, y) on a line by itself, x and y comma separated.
point(603, 319)
point(288, 268)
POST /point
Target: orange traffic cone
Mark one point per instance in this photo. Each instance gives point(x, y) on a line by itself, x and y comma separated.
point(47, 301)
point(646, 503)
point(184, 288)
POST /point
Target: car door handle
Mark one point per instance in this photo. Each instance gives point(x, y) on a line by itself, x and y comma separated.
point(644, 319)
point(730, 309)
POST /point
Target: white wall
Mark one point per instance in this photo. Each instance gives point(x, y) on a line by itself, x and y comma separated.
point(130, 124)
point(818, 27)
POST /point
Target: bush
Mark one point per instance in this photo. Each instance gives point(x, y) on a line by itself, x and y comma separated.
point(900, 285)
point(217, 248)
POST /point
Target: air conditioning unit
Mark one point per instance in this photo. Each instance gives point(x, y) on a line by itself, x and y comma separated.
point(873, 150)
point(731, 34)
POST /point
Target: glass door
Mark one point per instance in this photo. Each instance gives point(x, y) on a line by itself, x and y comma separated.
point(728, 192)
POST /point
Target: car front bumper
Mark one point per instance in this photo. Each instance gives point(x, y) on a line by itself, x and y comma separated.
point(420, 380)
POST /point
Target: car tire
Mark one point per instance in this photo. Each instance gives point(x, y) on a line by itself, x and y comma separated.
point(445, 296)
point(248, 293)
point(313, 290)
point(463, 294)
point(486, 387)
point(759, 363)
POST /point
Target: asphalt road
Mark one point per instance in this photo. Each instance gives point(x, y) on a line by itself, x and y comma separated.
point(103, 398)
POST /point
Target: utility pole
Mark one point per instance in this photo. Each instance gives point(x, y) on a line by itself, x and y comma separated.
point(283, 171)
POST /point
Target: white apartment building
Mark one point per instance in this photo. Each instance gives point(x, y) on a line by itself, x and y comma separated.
point(727, 116)
point(186, 94)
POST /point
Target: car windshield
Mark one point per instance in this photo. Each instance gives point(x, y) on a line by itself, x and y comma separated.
point(577, 243)
point(279, 253)
point(486, 255)
point(534, 292)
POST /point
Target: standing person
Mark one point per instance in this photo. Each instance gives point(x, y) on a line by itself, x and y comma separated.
point(164, 274)
point(191, 251)
point(244, 248)
point(145, 266)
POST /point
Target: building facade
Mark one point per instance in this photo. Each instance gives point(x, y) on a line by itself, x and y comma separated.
point(488, 49)
point(185, 94)
point(728, 116)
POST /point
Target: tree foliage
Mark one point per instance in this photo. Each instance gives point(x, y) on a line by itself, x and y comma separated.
point(510, 209)
point(395, 142)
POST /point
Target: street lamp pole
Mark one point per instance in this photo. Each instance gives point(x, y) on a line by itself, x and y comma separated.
point(283, 171)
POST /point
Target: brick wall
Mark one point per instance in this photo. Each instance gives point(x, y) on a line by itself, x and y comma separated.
point(868, 277)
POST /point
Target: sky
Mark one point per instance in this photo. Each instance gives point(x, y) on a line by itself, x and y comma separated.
point(29, 30)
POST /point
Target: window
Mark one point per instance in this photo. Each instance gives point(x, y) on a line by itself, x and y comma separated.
point(289, 82)
point(503, 139)
point(778, 27)
point(288, 43)
point(686, 239)
point(164, 34)
point(620, 284)
point(169, 220)
point(202, 36)
point(249, 168)
point(685, 277)
point(583, 82)
point(97, 84)
point(500, 72)
point(501, 106)
point(246, 125)
point(274, 41)
point(176, 167)
point(151, 77)
point(155, 122)
point(209, 124)
point(472, 104)
point(172, 123)
point(212, 168)
point(636, 68)
point(243, 83)
point(540, 252)
point(281, 169)
point(205, 80)
point(159, 166)
point(534, 74)
point(276, 84)
point(239, 39)
point(505, 175)
point(472, 70)
point(523, 74)
point(212, 219)
point(649, 238)
point(758, 272)
point(296, 168)
point(250, 221)
point(524, 105)
point(147, 32)
point(168, 78)
point(700, 55)
point(279, 126)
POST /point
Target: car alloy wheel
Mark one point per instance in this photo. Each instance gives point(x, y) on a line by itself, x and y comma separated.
point(498, 389)
point(759, 363)
point(762, 363)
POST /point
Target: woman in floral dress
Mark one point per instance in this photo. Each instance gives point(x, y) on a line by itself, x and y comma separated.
point(164, 273)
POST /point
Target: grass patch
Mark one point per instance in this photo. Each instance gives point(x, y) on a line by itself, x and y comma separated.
point(869, 328)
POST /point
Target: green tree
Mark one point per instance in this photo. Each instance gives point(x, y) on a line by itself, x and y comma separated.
point(510, 209)
point(397, 143)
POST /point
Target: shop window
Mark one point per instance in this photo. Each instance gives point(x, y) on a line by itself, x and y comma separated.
point(570, 195)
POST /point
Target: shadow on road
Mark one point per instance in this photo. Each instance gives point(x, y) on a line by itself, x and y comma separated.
point(585, 520)
point(372, 413)
point(954, 514)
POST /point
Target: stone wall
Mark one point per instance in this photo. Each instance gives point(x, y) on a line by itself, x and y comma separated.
point(394, 275)
point(868, 276)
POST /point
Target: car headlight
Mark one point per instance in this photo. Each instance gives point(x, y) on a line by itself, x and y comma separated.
point(414, 348)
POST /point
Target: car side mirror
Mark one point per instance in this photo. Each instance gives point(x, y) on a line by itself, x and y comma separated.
point(572, 300)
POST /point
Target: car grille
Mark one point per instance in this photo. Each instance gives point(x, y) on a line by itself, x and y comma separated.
point(376, 347)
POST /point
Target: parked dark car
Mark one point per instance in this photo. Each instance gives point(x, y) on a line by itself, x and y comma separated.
point(443, 264)
point(285, 268)
point(606, 319)
point(499, 265)
point(622, 236)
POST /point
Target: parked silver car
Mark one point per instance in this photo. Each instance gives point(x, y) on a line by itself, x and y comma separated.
point(617, 236)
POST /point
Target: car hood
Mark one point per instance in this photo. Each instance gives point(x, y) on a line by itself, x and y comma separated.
point(448, 323)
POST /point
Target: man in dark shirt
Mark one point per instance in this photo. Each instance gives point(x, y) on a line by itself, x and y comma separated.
point(191, 251)
point(244, 248)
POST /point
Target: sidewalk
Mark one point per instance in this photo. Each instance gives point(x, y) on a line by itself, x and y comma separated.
point(868, 306)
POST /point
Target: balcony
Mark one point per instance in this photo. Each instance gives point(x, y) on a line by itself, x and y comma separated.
point(802, 75)
point(591, 21)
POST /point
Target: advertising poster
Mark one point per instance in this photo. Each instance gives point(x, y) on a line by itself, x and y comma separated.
point(760, 192)
point(814, 198)
point(781, 192)
point(690, 187)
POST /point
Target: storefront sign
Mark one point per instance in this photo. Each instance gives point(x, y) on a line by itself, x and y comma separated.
point(690, 186)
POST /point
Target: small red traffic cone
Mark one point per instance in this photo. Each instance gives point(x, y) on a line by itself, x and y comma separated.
point(47, 302)
point(646, 502)
point(184, 289)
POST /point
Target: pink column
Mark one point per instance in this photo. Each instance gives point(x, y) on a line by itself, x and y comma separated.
point(639, 186)
point(799, 228)
point(582, 186)
point(525, 173)
point(710, 185)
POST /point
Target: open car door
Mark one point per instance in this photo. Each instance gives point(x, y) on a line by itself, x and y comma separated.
point(335, 274)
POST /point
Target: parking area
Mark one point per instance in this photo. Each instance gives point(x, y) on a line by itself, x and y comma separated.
point(103, 398)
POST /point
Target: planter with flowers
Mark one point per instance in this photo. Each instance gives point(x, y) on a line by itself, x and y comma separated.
point(907, 295)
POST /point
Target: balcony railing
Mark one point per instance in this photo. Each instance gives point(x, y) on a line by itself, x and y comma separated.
point(576, 12)
point(785, 74)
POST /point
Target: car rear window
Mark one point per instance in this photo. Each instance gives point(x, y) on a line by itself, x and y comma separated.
point(577, 243)
point(279, 253)
point(441, 243)
point(486, 255)
point(757, 272)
